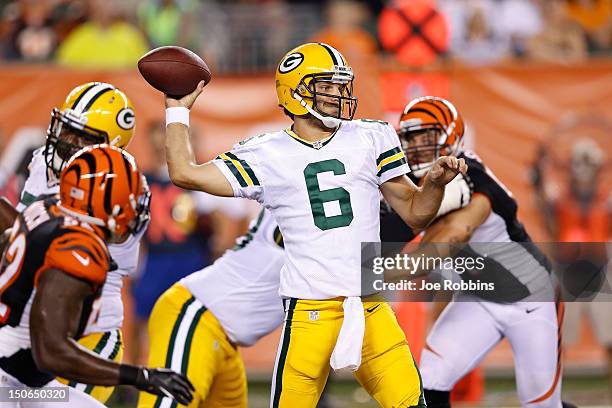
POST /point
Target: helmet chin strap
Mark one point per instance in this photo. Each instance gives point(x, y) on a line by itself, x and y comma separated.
point(328, 121)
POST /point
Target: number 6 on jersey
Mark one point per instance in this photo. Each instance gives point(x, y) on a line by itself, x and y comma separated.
point(318, 197)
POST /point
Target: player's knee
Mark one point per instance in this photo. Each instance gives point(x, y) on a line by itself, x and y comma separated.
point(438, 375)
point(437, 399)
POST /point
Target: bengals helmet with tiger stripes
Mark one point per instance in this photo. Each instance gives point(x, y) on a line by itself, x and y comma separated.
point(429, 127)
point(92, 113)
point(102, 185)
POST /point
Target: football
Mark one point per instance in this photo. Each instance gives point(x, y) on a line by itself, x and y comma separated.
point(175, 71)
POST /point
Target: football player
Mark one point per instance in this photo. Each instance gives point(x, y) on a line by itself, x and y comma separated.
point(321, 179)
point(92, 113)
point(237, 303)
point(52, 273)
point(197, 325)
point(521, 308)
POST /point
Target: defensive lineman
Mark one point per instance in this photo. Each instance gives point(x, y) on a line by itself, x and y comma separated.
point(51, 274)
point(521, 308)
point(92, 113)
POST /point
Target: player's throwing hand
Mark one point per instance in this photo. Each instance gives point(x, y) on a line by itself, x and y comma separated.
point(186, 101)
point(445, 169)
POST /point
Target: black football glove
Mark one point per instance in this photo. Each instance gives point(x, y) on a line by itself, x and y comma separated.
point(159, 381)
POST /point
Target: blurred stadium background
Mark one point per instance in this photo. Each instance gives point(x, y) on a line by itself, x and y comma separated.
point(532, 78)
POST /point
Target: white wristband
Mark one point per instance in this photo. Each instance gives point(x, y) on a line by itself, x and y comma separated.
point(177, 114)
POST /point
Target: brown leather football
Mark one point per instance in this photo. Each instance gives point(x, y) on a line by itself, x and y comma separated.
point(175, 71)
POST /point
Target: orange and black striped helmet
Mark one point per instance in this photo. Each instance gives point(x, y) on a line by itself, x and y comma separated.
point(429, 127)
point(102, 185)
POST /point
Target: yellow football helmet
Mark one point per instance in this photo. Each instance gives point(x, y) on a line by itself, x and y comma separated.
point(298, 72)
point(93, 113)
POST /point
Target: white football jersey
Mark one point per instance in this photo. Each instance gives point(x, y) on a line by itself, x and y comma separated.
point(324, 196)
point(241, 287)
point(125, 254)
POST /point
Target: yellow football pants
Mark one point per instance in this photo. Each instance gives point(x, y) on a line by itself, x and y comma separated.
point(387, 372)
point(186, 337)
point(107, 345)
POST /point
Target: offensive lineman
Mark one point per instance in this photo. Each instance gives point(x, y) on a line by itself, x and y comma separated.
point(197, 325)
point(521, 308)
point(51, 275)
point(94, 112)
point(321, 179)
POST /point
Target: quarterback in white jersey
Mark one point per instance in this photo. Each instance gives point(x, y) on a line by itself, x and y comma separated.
point(197, 324)
point(321, 179)
point(92, 113)
point(334, 192)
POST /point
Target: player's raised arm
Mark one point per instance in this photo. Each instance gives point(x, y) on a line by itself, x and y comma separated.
point(55, 319)
point(184, 171)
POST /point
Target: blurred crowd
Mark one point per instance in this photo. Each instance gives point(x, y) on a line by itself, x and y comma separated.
point(250, 35)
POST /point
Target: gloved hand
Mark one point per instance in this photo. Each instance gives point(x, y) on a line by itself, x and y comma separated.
point(159, 381)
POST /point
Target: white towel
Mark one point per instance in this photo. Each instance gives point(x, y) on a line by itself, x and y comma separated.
point(347, 352)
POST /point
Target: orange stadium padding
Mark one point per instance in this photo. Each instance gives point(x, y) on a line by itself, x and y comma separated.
point(509, 110)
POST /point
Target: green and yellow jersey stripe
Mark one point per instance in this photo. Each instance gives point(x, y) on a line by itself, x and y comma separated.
point(389, 160)
point(240, 169)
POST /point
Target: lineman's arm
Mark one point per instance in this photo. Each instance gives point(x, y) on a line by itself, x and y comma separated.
point(458, 226)
point(418, 206)
point(8, 213)
point(54, 321)
point(449, 230)
point(184, 171)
